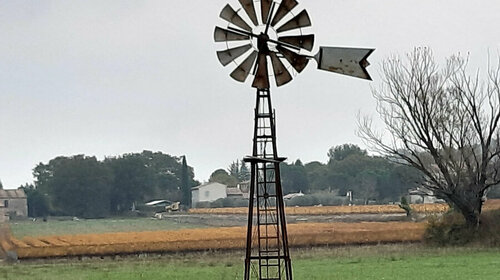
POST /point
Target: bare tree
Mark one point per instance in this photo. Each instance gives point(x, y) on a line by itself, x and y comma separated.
point(444, 122)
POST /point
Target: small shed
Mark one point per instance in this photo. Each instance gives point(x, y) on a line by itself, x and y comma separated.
point(13, 203)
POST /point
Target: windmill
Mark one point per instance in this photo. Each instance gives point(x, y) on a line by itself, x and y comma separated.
point(259, 32)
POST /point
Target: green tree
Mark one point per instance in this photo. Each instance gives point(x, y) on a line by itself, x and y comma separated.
point(244, 174)
point(294, 177)
point(83, 186)
point(341, 152)
point(1, 185)
point(168, 174)
point(221, 176)
point(38, 205)
point(239, 170)
point(77, 186)
point(370, 177)
point(234, 169)
point(317, 175)
point(133, 179)
point(405, 206)
point(185, 185)
point(149, 175)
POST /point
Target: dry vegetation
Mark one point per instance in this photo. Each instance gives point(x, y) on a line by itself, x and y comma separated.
point(356, 209)
point(211, 238)
point(333, 210)
point(309, 234)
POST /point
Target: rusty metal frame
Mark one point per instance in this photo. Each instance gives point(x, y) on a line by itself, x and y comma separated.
point(267, 238)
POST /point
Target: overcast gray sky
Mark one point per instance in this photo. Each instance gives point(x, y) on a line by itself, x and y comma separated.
point(105, 78)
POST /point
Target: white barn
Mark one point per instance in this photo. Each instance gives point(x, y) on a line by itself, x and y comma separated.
point(208, 192)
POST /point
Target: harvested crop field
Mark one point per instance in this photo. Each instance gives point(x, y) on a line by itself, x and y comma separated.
point(310, 234)
point(355, 209)
point(333, 210)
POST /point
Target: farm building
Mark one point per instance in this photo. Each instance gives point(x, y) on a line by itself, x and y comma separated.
point(208, 192)
point(13, 203)
point(244, 187)
point(212, 191)
point(421, 195)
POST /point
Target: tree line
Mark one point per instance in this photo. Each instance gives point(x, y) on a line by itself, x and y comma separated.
point(444, 135)
point(83, 186)
point(349, 168)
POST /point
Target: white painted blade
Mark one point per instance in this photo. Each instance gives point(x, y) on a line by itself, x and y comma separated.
point(346, 61)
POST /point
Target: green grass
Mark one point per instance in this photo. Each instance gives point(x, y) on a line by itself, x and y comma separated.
point(408, 262)
point(53, 227)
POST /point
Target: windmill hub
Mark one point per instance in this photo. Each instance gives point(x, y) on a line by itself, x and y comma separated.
point(279, 36)
point(262, 40)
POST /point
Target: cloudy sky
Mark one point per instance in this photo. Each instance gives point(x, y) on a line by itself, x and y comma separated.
point(109, 77)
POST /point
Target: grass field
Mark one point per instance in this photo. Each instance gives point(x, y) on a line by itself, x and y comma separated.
point(53, 227)
point(409, 262)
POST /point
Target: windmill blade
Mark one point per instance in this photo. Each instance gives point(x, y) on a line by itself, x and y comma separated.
point(298, 62)
point(281, 74)
point(301, 41)
point(299, 21)
point(231, 16)
point(223, 35)
point(250, 10)
point(261, 79)
point(226, 56)
point(265, 6)
point(346, 61)
point(241, 72)
point(285, 7)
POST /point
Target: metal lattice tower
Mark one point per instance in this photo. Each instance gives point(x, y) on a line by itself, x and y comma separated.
point(267, 254)
point(264, 31)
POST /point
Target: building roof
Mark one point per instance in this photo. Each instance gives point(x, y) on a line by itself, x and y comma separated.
point(292, 195)
point(158, 202)
point(207, 184)
point(234, 191)
point(12, 194)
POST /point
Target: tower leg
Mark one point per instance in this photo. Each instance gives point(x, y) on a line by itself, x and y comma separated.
point(267, 254)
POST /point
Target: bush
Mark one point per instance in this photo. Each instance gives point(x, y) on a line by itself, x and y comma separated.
point(323, 198)
point(223, 202)
point(305, 200)
point(451, 229)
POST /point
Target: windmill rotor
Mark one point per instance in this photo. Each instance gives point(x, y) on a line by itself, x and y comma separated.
point(273, 31)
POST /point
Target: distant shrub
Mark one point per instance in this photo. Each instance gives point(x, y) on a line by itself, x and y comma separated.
point(223, 202)
point(405, 206)
point(202, 204)
point(305, 200)
point(323, 198)
point(451, 229)
point(234, 202)
point(489, 230)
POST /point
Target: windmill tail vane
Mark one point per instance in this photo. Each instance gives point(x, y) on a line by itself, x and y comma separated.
point(263, 39)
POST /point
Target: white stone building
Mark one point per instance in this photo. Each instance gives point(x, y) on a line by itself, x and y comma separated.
point(208, 192)
point(13, 203)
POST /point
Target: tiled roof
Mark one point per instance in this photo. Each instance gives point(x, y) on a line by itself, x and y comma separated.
point(12, 194)
point(208, 184)
point(233, 191)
